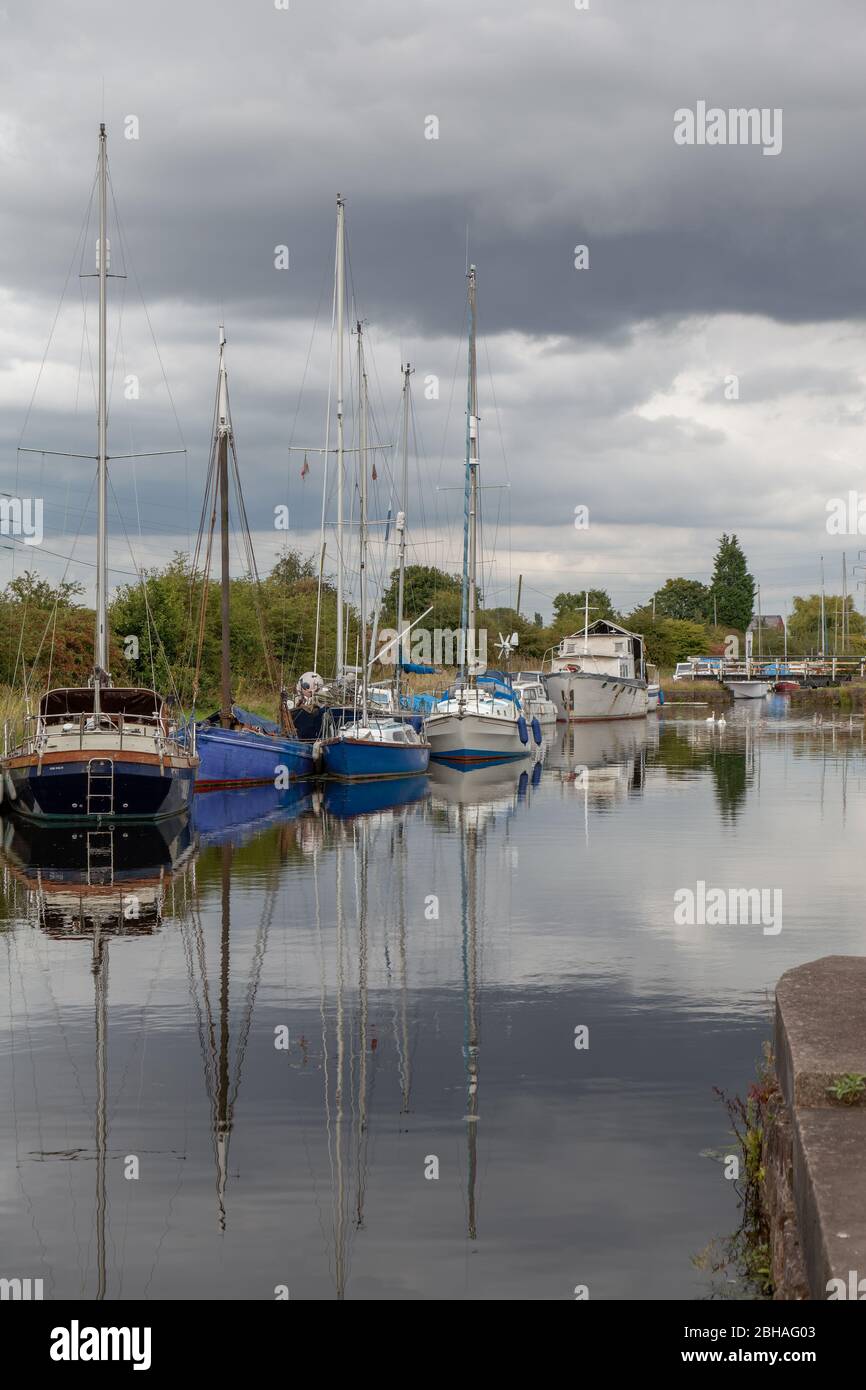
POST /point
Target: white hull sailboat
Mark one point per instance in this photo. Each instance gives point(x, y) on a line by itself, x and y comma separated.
point(480, 720)
point(472, 729)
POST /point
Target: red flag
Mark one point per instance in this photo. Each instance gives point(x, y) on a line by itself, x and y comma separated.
point(306, 468)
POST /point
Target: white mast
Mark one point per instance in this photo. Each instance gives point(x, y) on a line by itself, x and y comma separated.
point(100, 652)
point(224, 439)
point(473, 472)
point(401, 532)
point(362, 530)
point(340, 316)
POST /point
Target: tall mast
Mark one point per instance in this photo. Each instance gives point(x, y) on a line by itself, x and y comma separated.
point(362, 530)
point(401, 532)
point(100, 651)
point(341, 291)
point(223, 436)
point(823, 625)
point(470, 512)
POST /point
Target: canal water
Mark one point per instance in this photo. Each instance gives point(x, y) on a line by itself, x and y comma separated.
point(452, 1039)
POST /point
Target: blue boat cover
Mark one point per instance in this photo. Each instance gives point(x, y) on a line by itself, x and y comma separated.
point(418, 669)
point(245, 716)
point(500, 689)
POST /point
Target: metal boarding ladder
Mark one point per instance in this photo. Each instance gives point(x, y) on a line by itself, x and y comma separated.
point(100, 787)
point(100, 857)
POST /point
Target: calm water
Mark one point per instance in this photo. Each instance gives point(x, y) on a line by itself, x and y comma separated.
point(282, 1015)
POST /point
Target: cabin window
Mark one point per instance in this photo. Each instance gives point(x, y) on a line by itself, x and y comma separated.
point(619, 646)
point(623, 668)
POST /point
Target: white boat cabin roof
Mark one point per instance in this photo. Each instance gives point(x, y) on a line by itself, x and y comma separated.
point(602, 627)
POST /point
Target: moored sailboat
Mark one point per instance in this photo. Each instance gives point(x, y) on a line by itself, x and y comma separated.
point(99, 752)
point(371, 746)
point(477, 722)
point(236, 747)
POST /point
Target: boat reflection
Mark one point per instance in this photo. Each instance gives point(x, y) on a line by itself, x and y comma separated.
point(494, 782)
point(242, 813)
point(347, 799)
point(79, 881)
point(606, 761)
point(96, 885)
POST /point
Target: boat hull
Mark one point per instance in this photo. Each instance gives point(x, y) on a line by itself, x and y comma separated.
point(239, 758)
point(473, 739)
point(55, 788)
point(351, 759)
point(748, 690)
point(580, 696)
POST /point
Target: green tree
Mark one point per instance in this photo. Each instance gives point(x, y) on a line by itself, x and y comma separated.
point(668, 640)
point(804, 625)
point(600, 606)
point(424, 587)
point(685, 599)
point(31, 588)
point(732, 587)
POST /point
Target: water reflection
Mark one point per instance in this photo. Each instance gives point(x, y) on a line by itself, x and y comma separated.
point(314, 993)
point(94, 886)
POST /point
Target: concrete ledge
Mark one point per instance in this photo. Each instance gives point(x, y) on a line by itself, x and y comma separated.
point(820, 1027)
point(830, 1193)
point(821, 1143)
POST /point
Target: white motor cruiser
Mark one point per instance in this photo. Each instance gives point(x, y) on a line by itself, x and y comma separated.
point(599, 673)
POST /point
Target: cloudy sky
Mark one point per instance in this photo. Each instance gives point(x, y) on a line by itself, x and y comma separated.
point(603, 387)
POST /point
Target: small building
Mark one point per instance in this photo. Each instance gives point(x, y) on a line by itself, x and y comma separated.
point(774, 622)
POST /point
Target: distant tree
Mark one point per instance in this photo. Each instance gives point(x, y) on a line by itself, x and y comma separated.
point(600, 606)
point(685, 599)
point(503, 622)
point(537, 620)
point(32, 589)
point(732, 587)
point(424, 587)
point(668, 640)
point(804, 625)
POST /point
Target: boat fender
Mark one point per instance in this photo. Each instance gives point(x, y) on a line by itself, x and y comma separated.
point(317, 751)
point(661, 697)
point(10, 787)
point(536, 730)
point(522, 729)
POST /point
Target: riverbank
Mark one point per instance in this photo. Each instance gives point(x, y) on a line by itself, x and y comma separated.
point(850, 697)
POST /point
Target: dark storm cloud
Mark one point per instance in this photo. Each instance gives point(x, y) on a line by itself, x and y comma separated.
point(555, 130)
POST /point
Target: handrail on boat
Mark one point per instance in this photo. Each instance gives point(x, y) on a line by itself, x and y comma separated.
point(39, 726)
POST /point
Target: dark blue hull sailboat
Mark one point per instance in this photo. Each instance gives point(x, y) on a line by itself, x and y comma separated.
point(237, 748)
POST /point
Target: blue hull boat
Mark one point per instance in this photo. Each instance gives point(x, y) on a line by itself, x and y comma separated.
point(241, 758)
point(357, 759)
point(253, 753)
